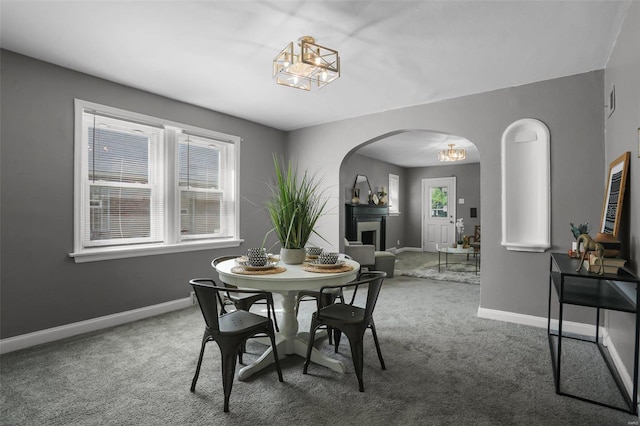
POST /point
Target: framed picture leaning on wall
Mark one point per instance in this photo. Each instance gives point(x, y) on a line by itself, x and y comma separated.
point(614, 195)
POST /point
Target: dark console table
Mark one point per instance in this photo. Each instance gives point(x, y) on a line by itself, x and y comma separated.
point(589, 289)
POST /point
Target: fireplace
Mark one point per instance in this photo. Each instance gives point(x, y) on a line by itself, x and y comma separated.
point(367, 223)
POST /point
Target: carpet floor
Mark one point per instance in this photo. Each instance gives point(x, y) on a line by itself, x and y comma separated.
point(445, 366)
point(427, 265)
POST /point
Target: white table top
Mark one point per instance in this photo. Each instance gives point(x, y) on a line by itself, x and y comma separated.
point(293, 279)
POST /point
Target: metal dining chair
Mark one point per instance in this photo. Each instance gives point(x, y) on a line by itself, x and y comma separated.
point(352, 319)
point(230, 330)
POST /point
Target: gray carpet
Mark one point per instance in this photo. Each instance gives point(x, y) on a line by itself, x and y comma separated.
point(444, 367)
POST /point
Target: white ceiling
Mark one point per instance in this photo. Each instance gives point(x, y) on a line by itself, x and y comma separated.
point(218, 54)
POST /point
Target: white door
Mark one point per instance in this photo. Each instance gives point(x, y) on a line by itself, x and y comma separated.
point(438, 212)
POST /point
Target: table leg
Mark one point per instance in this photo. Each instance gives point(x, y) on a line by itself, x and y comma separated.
point(289, 342)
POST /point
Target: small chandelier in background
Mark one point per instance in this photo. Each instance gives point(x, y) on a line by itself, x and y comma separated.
point(452, 154)
point(315, 65)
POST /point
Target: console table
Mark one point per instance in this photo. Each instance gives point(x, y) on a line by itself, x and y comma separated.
point(589, 289)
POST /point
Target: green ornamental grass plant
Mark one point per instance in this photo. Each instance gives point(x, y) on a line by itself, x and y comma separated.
point(296, 204)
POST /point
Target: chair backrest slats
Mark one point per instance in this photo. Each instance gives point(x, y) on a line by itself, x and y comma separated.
point(208, 300)
point(373, 280)
point(375, 284)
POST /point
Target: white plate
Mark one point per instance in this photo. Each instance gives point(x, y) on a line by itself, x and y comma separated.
point(338, 264)
point(249, 267)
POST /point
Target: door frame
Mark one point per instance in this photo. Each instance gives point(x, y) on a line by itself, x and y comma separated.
point(452, 206)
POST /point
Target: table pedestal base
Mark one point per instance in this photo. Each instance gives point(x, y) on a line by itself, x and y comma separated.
point(299, 344)
point(289, 343)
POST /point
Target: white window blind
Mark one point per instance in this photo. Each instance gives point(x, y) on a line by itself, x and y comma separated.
point(124, 193)
point(203, 202)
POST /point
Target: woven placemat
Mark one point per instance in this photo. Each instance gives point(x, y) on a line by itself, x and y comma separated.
point(313, 268)
point(243, 271)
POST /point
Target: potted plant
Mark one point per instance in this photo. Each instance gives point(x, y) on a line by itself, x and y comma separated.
point(294, 208)
point(578, 230)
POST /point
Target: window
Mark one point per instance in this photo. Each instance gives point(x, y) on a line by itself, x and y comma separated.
point(146, 186)
point(394, 194)
point(439, 200)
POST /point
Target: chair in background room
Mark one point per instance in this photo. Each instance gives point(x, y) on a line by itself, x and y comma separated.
point(370, 258)
point(474, 241)
point(230, 330)
point(351, 318)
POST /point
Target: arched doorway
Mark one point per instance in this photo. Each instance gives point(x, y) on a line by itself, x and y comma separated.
point(412, 156)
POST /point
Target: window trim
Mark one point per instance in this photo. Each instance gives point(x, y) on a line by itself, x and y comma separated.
point(173, 243)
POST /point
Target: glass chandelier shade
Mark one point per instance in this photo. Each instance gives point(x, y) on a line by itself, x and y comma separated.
point(452, 154)
point(314, 67)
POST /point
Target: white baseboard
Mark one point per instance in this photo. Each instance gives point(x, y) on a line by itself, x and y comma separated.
point(56, 333)
point(568, 327)
point(540, 322)
point(402, 249)
point(627, 380)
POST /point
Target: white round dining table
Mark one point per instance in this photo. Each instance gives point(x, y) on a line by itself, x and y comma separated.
point(287, 284)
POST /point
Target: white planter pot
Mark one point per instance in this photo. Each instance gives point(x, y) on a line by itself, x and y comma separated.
point(293, 256)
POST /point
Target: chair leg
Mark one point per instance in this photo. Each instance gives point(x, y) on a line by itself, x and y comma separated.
point(312, 338)
point(357, 353)
point(242, 350)
point(205, 339)
point(275, 355)
point(228, 372)
point(375, 339)
point(337, 334)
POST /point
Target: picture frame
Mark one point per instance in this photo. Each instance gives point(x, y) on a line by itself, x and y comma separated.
point(614, 195)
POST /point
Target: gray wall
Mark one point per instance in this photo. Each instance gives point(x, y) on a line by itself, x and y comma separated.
point(571, 107)
point(41, 286)
point(623, 71)
point(377, 173)
point(467, 187)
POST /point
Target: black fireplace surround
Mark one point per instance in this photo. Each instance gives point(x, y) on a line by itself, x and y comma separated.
point(356, 213)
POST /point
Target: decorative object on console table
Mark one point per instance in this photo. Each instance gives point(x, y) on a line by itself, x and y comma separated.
point(583, 228)
point(611, 265)
point(294, 208)
point(612, 246)
point(590, 246)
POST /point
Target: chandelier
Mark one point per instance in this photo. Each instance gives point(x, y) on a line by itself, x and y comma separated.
point(314, 66)
point(452, 154)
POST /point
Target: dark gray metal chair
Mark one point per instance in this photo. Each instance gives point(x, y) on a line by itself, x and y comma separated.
point(352, 319)
point(230, 330)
